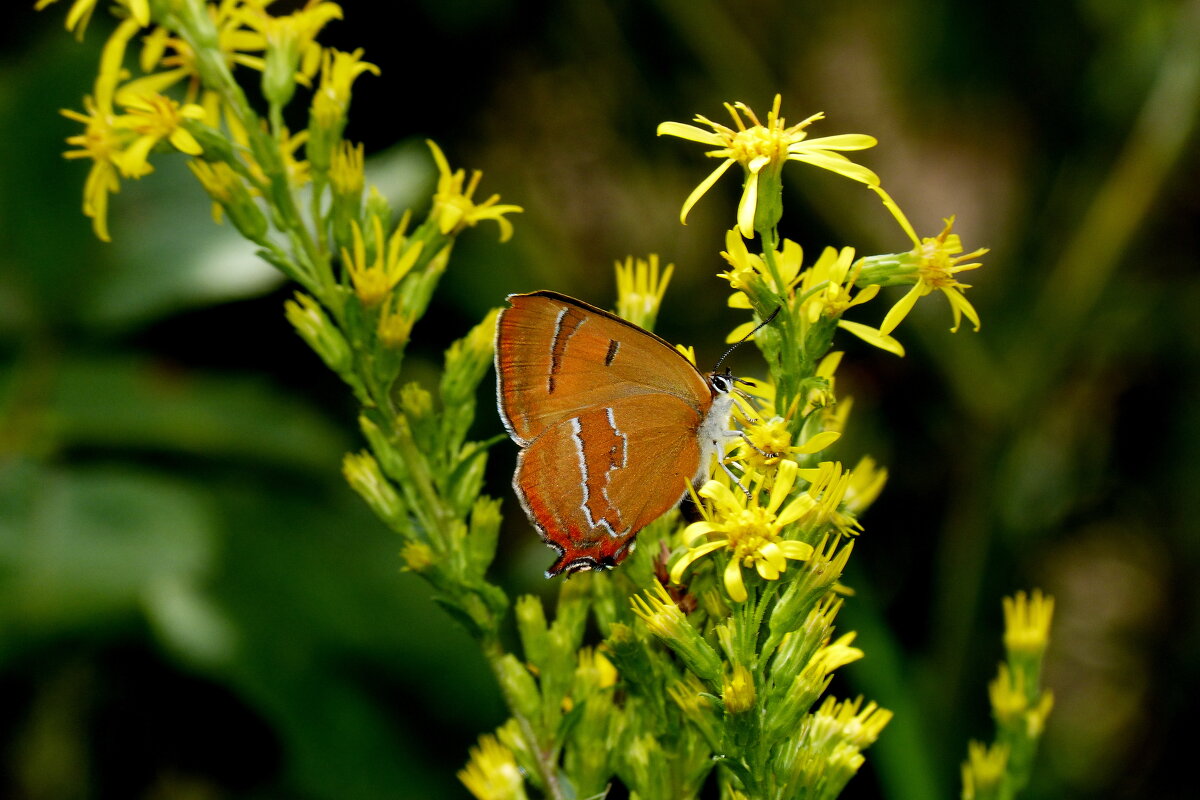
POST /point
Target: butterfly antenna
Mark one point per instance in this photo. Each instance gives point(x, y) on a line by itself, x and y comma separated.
point(746, 338)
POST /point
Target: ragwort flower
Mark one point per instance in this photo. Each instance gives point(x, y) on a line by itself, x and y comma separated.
point(751, 532)
point(762, 149)
point(938, 259)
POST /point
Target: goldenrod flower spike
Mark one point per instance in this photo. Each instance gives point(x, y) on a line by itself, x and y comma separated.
point(762, 149)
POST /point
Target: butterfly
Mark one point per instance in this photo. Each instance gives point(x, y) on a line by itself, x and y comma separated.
point(613, 424)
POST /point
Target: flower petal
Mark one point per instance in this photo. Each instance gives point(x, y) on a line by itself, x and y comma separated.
point(733, 580)
point(797, 551)
point(795, 510)
point(697, 529)
point(741, 331)
point(899, 311)
point(184, 142)
point(721, 496)
point(873, 337)
point(816, 444)
point(704, 186)
point(747, 205)
point(686, 560)
point(839, 164)
point(690, 132)
point(785, 479)
point(771, 555)
point(959, 303)
point(842, 141)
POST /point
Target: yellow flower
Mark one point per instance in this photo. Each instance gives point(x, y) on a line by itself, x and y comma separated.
point(492, 773)
point(595, 670)
point(984, 770)
point(374, 278)
point(827, 287)
point(417, 556)
point(230, 194)
point(833, 656)
point(751, 533)
point(828, 484)
point(235, 45)
point(453, 207)
point(1027, 623)
point(663, 618)
point(154, 118)
point(845, 720)
point(822, 395)
point(738, 691)
point(640, 289)
point(338, 72)
point(771, 436)
point(297, 170)
point(866, 482)
point(102, 142)
point(754, 281)
point(395, 324)
point(938, 261)
point(292, 53)
point(81, 12)
point(1014, 706)
point(346, 170)
point(763, 149)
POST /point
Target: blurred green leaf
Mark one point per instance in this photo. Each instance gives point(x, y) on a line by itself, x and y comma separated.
point(83, 546)
point(132, 402)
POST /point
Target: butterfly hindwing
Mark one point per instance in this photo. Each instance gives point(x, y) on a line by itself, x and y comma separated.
point(592, 481)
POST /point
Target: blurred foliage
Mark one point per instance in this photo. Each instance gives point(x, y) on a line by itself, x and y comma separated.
point(192, 605)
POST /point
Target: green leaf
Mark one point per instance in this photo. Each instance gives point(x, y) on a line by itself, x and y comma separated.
point(132, 402)
point(82, 546)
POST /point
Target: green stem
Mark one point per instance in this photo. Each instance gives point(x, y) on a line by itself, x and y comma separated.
point(548, 769)
point(784, 373)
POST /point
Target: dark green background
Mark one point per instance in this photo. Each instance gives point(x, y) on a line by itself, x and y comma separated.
point(192, 605)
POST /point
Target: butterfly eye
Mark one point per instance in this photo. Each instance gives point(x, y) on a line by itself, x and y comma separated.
point(721, 383)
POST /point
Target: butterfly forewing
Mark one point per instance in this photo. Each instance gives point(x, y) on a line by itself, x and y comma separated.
point(592, 481)
point(557, 358)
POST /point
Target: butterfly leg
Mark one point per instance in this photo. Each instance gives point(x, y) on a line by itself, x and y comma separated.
point(733, 477)
point(746, 438)
point(749, 417)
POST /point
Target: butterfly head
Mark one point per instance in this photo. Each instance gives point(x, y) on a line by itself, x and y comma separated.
point(722, 382)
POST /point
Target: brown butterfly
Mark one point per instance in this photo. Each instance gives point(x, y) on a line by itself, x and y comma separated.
point(613, 423)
